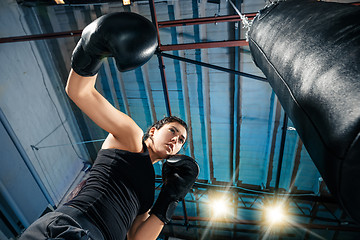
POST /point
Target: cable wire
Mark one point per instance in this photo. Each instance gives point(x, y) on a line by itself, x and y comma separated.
point(48, 134)
point(67, 144)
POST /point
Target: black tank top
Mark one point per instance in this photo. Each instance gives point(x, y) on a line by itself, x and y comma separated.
point(120, 186)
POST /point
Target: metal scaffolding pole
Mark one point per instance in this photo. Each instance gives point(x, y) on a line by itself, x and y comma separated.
point(213, 66)
point(160, 59)
point(259, 223)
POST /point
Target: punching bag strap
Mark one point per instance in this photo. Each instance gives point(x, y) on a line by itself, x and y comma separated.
point(245, 21)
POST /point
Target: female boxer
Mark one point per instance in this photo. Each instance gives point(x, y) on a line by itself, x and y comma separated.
point(115, 201)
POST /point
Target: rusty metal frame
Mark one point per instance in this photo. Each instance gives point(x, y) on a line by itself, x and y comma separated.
point(204, 20)
point(259, 223)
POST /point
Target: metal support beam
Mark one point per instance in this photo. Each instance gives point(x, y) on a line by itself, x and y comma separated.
point(160, 59)
point(259, 223)
point(249, 205)
point(273, 143)
point(163, 24)
point(213, 66)
point(185, 213)
point(214, 44)
point(204, 20)
point(181, 75)
point(296, 164)
point(301, 196)
point(170, 47)
point(313, 214)
point(281, 154)
point(215, 232)
point(237, 107)
point(41, 36)
point(201, 33)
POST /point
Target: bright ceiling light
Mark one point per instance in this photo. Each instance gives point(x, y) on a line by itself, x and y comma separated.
point(219, 207)
point(126, 2)
point(276, 214)
point(59, 1)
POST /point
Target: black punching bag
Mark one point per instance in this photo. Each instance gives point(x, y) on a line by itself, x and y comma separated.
point(310, 54)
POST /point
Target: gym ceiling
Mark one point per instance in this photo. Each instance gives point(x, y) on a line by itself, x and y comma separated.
point(248, 150)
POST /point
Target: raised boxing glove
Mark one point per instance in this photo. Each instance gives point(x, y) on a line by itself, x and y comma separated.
point(128, 37)
point(179, 173)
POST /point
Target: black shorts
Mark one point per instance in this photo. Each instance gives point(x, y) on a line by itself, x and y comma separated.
point(66, 223)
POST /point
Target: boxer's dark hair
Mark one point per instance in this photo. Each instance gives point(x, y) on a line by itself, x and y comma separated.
point(164, 121)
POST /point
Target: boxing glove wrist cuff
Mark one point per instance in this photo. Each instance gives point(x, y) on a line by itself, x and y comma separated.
point(83, 63)
point(165, 212)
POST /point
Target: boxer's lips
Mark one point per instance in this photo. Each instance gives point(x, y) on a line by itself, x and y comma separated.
point(170, 147)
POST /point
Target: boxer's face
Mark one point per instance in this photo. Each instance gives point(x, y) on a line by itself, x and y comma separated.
point(169, 139)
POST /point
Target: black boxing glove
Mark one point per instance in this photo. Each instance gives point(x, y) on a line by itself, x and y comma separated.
point(128, 37)
point(179, 173)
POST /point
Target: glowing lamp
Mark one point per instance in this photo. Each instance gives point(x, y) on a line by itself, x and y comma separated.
point(219, 207)
point(126, 2)
point(275, 214)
